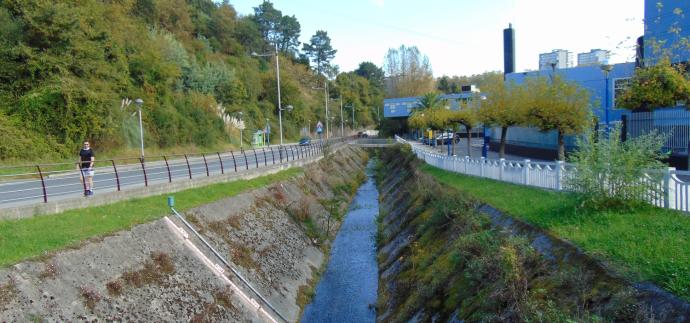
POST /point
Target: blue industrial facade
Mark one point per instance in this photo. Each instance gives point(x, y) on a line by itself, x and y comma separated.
point(403, 107)
point(667, 26)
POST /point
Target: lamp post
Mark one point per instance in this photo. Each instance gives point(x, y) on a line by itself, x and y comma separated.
point(342, 123)
point(325, 89)
point(606, 68)
point(280, 108)
point(240, 125)
point(139, 103)
point(309, 128)
point(268, 133)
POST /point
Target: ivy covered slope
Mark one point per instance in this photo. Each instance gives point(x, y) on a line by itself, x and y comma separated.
point(444, 256)
point(66, 66)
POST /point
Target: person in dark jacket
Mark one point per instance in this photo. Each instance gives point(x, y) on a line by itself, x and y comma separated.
point(85, 165)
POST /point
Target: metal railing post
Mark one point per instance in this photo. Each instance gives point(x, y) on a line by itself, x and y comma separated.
point(205, 164)
point(246, 163)
point(167, 166)
point(143, 169)
point(280, 153)
point(234, 163)
point(272, 155)
point(83, 179)
point(117, 176)
point(292, 151)
point(256, 158)
point(189, 169)
point(43, 184)
point(265, 159)
point(222, 170)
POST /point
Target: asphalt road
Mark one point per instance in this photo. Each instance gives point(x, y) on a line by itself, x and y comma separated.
point(68, 184)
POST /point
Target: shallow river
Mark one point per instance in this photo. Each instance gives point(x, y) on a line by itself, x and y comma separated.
point(347, 290)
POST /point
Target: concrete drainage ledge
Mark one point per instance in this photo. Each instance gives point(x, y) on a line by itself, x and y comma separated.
point(104, 198)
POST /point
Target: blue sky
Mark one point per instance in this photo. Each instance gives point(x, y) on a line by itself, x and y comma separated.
point(464, 37)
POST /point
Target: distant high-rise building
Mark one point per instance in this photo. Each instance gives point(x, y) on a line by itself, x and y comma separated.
point(594, 57)
point(509, 50)
point(561, 57)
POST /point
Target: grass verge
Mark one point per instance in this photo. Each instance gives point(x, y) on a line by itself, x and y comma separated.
point(647, 244)
point(28, 238)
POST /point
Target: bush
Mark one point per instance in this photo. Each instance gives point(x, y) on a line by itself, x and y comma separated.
point(614, 174)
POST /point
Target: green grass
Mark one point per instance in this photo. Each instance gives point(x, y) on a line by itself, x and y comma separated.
point(647, 244)
point(32, 237)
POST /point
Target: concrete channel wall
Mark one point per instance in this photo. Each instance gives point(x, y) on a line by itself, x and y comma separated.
point(160, 272)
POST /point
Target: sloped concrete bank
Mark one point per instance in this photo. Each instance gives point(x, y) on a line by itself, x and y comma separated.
point(276, 237)
point(444, 257)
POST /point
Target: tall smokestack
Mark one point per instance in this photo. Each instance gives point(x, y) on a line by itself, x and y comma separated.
point(508, 50)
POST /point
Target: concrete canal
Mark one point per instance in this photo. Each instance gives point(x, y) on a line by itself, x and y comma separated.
point(347, 291)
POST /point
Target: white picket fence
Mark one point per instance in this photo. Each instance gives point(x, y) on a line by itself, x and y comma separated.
point(669, 192)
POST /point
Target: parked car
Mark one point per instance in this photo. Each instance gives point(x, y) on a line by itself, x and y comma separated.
point(305, 141)
point(446, 137)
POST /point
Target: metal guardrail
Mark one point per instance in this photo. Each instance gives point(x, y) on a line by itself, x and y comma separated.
point(667, 190)
point(43, 182)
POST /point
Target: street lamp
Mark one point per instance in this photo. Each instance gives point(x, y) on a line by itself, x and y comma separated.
point(606, 68)
point(280, 108)
point(139, 103)
point(325, 92)
point(240, 125)
point(268, 133)
point(352, 105)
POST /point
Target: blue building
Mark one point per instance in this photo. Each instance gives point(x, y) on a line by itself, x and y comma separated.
point(667, 30)
point(403, 107)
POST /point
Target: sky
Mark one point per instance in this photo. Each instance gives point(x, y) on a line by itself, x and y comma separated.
point(465, 37)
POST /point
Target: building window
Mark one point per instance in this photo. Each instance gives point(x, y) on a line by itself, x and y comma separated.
point(619, 86)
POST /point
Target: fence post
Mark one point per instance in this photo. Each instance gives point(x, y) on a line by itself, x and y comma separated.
point(467, 161)
point(481, 167)
point(246, 163)
point(292, 151)
point(667, 187)
point(205, 164)
point(143, 168)
point(234, 162)
point(501, 168)
point(526, 172)
point(166, 167)
point(43, 184)
point(265, 159)
point(189, 169)
point(559, 175)
point(222, 170)
point(83, 179)
point(272, 155)
point(117, 176)
point(280, 154)
point(256, 158)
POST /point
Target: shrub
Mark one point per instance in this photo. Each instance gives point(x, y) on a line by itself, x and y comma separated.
point(612, 173)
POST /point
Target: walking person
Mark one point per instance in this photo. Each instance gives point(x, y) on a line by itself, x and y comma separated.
point(86, 160)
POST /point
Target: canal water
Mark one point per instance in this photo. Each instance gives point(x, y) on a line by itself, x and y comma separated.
point(347, 291)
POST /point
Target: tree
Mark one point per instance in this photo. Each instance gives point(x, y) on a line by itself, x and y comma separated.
point(656, 86)
point(468, 117)
point(409, 72)
point(558, 105)
point(371, 72)
point(277, 29)
point(320, 51)
point(505, 106)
